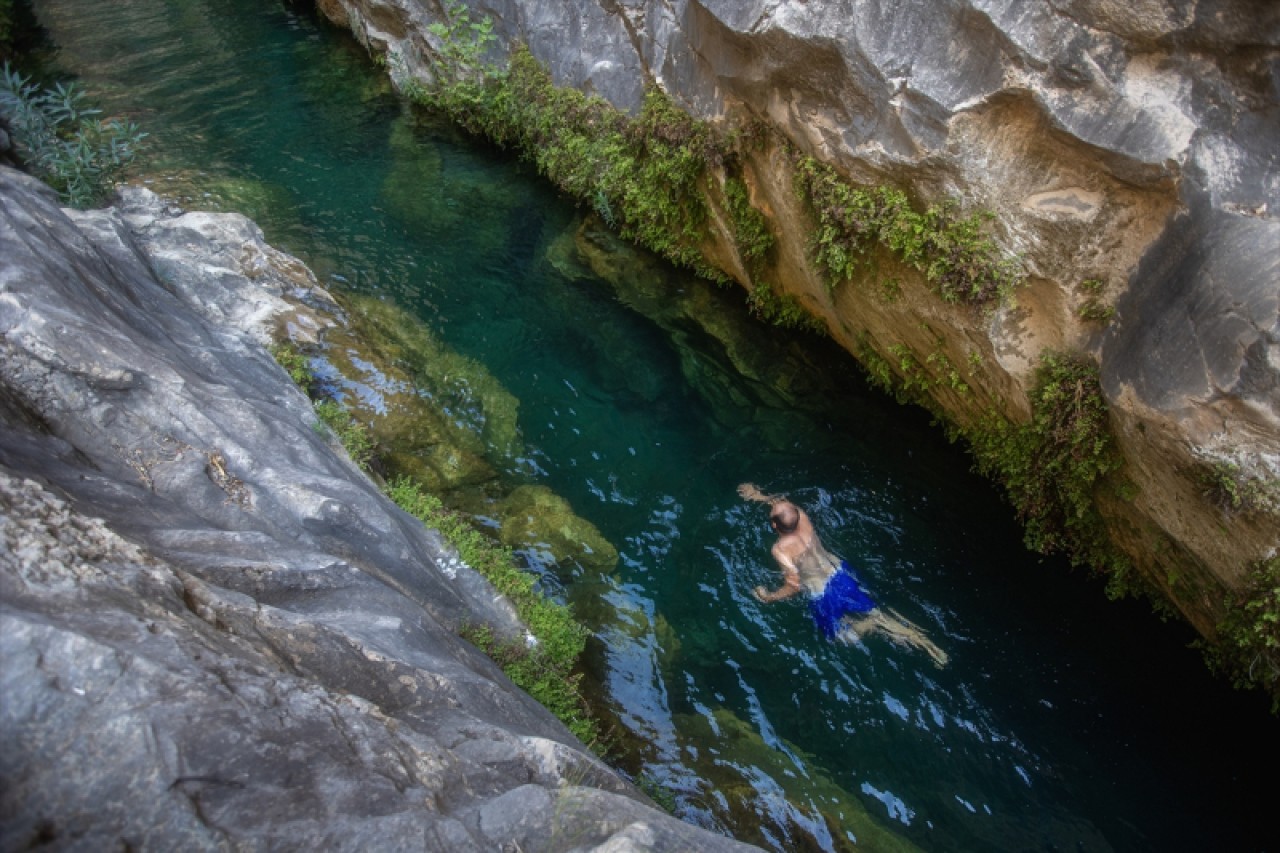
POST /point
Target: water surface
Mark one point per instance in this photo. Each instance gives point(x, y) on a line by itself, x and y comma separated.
point(1063, 722)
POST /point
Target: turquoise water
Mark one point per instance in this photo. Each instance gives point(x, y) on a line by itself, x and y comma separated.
point(1063, 721)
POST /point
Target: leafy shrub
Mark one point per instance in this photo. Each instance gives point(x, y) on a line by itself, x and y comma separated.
point(1248, 647)
point(62, 141)
point(295, 363)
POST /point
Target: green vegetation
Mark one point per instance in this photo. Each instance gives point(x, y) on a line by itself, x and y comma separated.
point(1231, 490)
point(62, 141)
point(1248, 647)
point(1051, 466)
point(640, 174)
point(352, 434)
point(1093, 310)
point(295, 363)
point(957, 259)
point(657, 792)
point(544, 668)
point(750, 228)
point(782, 310)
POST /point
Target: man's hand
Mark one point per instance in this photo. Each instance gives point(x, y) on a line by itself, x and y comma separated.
point(761, 594)
point(749, 492)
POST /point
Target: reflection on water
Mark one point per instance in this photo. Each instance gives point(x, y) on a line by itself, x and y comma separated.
point(641, 398)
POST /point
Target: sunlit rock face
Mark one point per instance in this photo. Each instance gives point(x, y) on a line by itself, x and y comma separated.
point(217, 632)
point(1126, 149)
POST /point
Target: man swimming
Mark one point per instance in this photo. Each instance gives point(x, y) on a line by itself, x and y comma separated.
point(838, 604)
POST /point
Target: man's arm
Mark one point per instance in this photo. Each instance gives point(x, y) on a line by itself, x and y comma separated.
point(751, 492)
point(790, 581)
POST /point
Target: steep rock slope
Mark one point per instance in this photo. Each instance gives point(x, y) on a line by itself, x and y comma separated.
point(217, 632)
point(1126, 150)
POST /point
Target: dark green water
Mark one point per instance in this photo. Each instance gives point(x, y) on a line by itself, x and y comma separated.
point(1063, 723)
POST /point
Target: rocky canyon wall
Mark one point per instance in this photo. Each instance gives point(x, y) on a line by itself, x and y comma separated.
point(1127, 152)
point(217, 632)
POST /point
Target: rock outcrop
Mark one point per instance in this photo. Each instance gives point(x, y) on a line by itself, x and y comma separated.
point(1126, 150)
point(217, 631)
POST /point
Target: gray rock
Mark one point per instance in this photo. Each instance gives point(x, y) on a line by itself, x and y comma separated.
point(217, 632)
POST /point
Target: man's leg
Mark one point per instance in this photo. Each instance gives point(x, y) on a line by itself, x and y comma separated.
point(895, 628)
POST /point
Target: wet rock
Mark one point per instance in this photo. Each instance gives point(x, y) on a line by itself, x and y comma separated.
point(218, 633)
point(535, 518)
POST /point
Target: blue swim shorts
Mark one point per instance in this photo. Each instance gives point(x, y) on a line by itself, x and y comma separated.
point(841, 596)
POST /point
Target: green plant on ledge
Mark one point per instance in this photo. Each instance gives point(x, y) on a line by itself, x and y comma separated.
point(544, 669)
point(1093, 310)
point(1051, 466)
point(960, 263)
point(62, 141)
point(1248, 646)
point(641, 173)
point(1233, 492)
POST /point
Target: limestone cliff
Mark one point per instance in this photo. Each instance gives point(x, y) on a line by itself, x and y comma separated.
point(1126, 150)
point(217, 632)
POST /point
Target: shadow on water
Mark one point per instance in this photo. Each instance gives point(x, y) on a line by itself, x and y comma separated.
point(645, 396)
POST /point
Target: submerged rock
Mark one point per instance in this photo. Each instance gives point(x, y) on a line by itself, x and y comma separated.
point(218, 632)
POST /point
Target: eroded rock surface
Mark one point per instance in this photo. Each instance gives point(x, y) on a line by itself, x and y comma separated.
point(217, 632)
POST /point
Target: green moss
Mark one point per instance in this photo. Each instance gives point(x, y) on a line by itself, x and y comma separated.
point(957, 259)
point(545, 669)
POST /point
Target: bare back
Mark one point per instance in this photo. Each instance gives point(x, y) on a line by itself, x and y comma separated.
point(802, 551)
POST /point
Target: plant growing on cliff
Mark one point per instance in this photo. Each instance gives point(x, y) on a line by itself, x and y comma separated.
point(782, 310)
point(1051, 466)
point(1233, 491)
point(351, 434)
point(640, 172)
point(463, 79)
point(295, 363)
point(1093, 309)
point(544, 668)
point(954, 255)
point(1248, 647)
point(750, 228)
point(62, 140)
